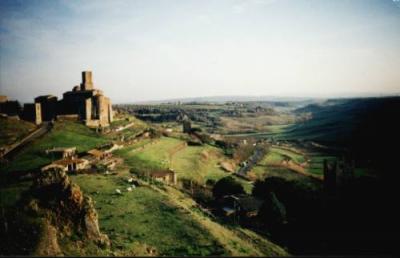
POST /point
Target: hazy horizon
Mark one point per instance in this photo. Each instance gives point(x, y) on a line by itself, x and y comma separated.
point(160, 50)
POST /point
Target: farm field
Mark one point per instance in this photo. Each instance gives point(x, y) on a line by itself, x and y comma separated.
point(165, 221)
point(276, 155)
point(197, 163)
point(255, 125)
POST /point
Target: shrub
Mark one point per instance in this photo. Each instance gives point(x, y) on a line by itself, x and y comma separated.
point(225, 186)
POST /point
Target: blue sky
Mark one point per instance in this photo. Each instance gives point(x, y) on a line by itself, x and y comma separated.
point(149, 50)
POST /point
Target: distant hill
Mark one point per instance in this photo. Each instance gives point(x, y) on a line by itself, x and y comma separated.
point(223, 99)
point(368, 127)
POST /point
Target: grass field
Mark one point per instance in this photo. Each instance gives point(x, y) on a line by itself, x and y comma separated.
point(276, 155)
point(13, 130)
point(191, 162)
point(144, 218)
point(123, 120)
point(264, 124)
point(64, 134)
point(271, 164)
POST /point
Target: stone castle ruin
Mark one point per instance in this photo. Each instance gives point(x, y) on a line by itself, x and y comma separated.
point(83, 103)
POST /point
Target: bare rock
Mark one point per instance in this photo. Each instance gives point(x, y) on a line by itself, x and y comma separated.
point(91, 224)
point(48, 243)
point(227, 166)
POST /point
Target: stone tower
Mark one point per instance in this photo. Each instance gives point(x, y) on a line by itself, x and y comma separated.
point(87, 83)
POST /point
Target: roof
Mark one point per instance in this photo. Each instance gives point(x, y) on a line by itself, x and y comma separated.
point(246, 202)
point(45, 97)
point(228, 210)
point(50, 166)
point(96, 152)
point(65, 162)
point(62, 149)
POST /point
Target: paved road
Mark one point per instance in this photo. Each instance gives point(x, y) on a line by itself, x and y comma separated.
point(251, 162)
point(42, 130)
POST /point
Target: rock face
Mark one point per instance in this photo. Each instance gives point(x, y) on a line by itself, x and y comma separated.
point(91, 224)
point(69, 209)
point(48, 244)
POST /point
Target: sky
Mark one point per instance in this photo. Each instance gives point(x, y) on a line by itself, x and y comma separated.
point(152, 50)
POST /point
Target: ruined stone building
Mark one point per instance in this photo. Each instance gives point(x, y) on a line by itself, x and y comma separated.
point(83, 103)
point(48, 106)
point(9, 107)
point(32, 112)
point(88, 103)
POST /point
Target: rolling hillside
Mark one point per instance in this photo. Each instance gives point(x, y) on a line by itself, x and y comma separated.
point(367, 128)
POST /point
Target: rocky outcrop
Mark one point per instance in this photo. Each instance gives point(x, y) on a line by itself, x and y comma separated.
point(91, 223)
point(48, 243)
point(66, 207)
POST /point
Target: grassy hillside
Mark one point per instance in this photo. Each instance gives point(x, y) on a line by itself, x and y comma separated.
point(64, 134)
point(336, 121)
point(191, 162)
point(144, 218)
point(164, 220)
point(13, 130)
point(366, 128)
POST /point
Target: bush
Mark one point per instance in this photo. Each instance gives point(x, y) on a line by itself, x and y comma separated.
point(225, 186)
point(262, 189)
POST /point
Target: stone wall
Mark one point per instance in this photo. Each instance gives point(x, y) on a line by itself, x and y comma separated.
point(32, 112)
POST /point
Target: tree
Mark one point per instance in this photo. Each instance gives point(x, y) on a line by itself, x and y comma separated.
point(225, 186)
point(262, 189)
point(272, 211)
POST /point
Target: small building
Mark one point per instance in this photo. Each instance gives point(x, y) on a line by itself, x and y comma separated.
point(243, 205)
point(72, 164)
point(69, 164)
point(111, 163)
point(167, 176)
point(62, 152)
point(98, 154)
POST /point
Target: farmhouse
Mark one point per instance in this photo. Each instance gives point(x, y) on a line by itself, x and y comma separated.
point(62, 152)
point(68, 164)
point(167, 176)
point(98, 154)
